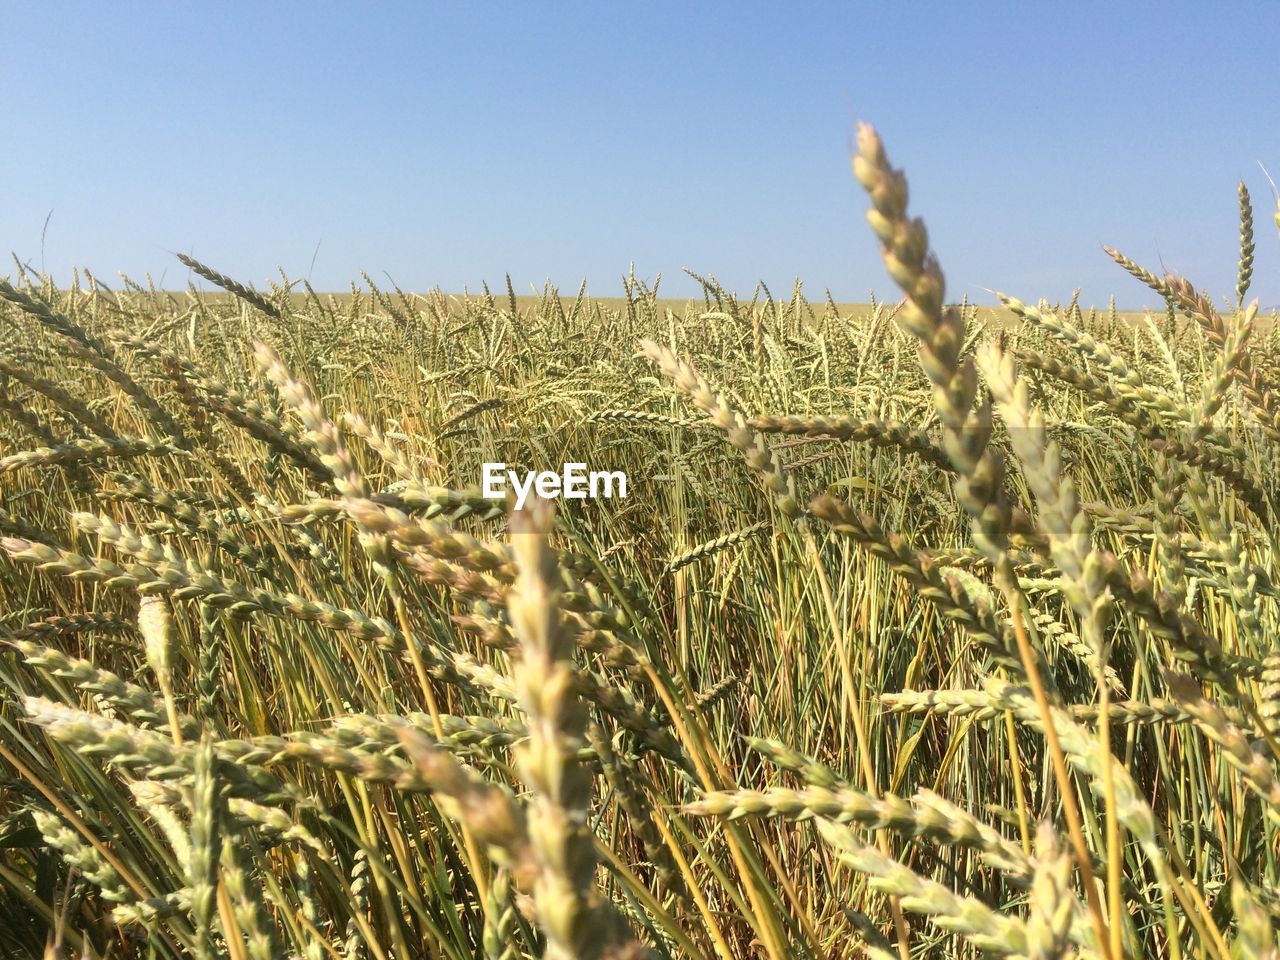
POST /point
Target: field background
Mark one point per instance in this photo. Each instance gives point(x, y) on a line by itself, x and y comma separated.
point(794, 724)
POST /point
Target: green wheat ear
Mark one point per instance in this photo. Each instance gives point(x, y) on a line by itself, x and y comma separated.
point(1244, 270)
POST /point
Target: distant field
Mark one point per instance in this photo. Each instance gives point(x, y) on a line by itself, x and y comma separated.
point(681, 307)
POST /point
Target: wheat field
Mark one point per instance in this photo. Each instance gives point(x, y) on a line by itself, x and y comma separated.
point(918, 633)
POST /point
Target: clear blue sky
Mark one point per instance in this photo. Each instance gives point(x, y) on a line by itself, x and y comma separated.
point(450, 143)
